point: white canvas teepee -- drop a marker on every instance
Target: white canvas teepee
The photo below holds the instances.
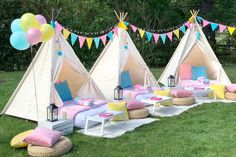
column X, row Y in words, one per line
column 48, row 67
column 114, row 59
column 196, row 51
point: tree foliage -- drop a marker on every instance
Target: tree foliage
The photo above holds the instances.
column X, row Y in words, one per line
column 97, row 15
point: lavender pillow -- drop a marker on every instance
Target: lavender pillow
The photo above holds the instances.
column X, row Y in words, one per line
column 43, row 137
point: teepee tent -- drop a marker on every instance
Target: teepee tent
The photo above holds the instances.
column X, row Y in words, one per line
column 36, row 90
column 194, row 49
column 120, row 54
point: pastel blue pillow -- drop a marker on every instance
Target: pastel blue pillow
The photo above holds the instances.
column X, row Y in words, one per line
column 199, row 71
column 125, row 80
column 63, row 90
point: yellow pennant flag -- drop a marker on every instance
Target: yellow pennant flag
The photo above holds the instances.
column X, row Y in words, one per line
column 141, row 32
column 89, row 42
column 66, row 33
column 176, row 32
column 231, row 30
column 122, row 25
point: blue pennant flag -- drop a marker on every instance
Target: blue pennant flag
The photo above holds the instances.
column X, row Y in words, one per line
column 163, row 38
column 199, row 19
column 73, row 38
column 182, row 28
column 149, row 36
column 198, row 36
column 213, row 26
column 110, row 35
column 97, row 41
column 126, row 23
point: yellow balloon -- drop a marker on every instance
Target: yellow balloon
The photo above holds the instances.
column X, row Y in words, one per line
column 28, row 21
column 47, row 32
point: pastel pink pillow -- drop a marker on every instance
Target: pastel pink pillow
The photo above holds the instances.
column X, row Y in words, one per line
column 43, row 137
column 231, row 88
column 134, row 104
column 181, row 93
column 185, row 72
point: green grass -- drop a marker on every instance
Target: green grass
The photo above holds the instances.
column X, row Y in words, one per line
column 206, row 131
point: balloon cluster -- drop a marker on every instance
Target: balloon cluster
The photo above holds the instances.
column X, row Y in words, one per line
column 30, row 30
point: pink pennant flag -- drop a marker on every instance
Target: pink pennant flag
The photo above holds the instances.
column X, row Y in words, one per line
column 205, row 23
column 156, row 37
column 170, row 35
column 58, row 27
column 222, row 27
column 104, row 39
column 134, row 28
column 81, row 41
column 187, row 24
column 115, row 30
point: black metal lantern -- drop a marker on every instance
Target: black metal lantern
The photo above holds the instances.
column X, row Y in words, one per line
column 171, row 81
column 118, row 93
column 52, row 113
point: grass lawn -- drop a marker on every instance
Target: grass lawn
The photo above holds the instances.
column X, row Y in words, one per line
column 207, row 131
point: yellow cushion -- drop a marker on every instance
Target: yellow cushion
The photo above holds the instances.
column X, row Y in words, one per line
column 17, row 141
column 218, row 90
column 165, row 92
column 119, row 106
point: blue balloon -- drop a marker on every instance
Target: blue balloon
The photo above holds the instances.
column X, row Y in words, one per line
column 19, row 41
column 15, row 26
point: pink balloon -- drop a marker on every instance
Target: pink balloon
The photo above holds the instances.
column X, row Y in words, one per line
column 34, row 36
column 41, row 19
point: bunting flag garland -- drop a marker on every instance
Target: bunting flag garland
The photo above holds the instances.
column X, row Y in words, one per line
column 66, row 33
column 110, row 35
column 89, row 42
column 115, row 30
column 188, row 24
column 134, row 28
column 182, row 28
column 214, row 26
column 97, row 41
column 149, row 36
column 73, row 38
column 163, row 38
column 176, row 32
column 141, row 32
column 58, row 27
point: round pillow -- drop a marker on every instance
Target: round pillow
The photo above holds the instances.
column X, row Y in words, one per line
column 58, row 149
column 184, row 101
column 230, row 96
column 138, row 114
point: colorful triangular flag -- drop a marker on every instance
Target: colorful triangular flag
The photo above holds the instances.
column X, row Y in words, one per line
column 126, row 23
column 73, row 38
column 115, row 30
column 81, row 41
column 213, row 26
column 66, row 33
column 89, row 42
column 122, row 25
column 176, row 32
column 199, row 19
column 187, row 24
column 110, row 35
column 134, row 28
column 182, row 28
column 104, row 39
column 156, row 37
column 205, row 23
column 231, row 30
column 149, row 36
column 97, row 41
column 141, row 32
column 58, row 27
column 163, row 38
column 170, row 35
column 222, row 27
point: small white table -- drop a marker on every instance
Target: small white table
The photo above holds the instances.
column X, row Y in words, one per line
column 156, row 103
column 64, row 126
column 100, row 119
